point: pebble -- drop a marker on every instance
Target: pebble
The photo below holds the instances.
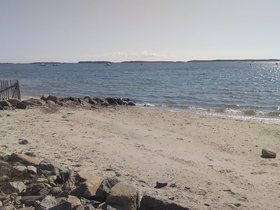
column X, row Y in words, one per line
column 161, row 184
column 23, row 141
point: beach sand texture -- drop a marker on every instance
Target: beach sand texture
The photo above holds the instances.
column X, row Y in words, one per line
column 208, row 162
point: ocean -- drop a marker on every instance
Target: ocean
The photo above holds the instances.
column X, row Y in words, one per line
column 248, row 88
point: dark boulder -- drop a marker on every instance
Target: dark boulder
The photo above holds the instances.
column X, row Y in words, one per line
column 89, row 100
column 48, row 167
column 123, row 197
column 5, row 104
column 152, row 203
column 49, row 98
column 105, row 187
column 17, row 103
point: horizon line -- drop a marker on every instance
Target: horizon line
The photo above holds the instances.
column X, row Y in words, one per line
column 148, row 61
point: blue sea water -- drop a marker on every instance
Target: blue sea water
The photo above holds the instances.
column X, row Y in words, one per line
column 207, row 85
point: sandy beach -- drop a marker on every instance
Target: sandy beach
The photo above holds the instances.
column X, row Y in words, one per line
column 208, row 162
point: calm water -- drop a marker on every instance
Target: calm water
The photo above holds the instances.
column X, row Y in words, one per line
column 236, row 86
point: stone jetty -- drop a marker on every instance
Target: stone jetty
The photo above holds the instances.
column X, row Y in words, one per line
column 51, row 100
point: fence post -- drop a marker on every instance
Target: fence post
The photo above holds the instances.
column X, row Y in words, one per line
column 8, row 89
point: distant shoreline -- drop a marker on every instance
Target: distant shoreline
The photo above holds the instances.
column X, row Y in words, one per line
column 142, row 62
column 238, row 60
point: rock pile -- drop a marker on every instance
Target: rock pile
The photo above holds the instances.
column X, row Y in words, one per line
column 27, row 183
column 86, row 101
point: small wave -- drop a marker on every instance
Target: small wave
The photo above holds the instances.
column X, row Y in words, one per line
column 273, row 114
column 249, row 112
column 145, row 105
column 220, row 110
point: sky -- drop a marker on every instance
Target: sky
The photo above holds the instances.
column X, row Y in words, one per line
column 118, row 30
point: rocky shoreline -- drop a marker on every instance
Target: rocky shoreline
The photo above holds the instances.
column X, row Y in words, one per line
column 50, row 101
column 27, row 183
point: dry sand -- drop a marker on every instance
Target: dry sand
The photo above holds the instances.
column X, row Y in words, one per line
column 210, row 163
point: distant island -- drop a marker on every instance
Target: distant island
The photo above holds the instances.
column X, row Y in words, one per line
column 96, row 62
column 238, row 60
column 153, row 62
column 106, row 62
column 50, row 62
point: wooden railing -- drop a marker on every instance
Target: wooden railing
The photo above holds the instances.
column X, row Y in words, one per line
column 9, row 89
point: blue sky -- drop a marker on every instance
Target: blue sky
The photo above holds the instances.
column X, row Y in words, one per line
column 116, row 30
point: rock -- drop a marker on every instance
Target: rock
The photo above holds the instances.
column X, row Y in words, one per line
column 70, row 184
column 13, row 101
column 128, row 102
column 105, row 103
column 88, row 99
column 89, row 207
column 52, row 180
column 47, row 203
column 13, row 187
column 17, row 103
column 83, row 176
column 151, row 203
column 5, row 104
column 123, row 196
column 112, row 208
column 105, row 187
column 30, row 154
column 10, row 207
column 24, row 159
column 86, row 190
column 6, row 171
column 32, row 170
column 131, row 103
column 75, row 202
column 63, row 194
column 31, row 200
column 33, row 102
column 79, row 208
column 27, row 208
column 66, row 175
column 161, row 184
column 50, row 103
column 42, row 180
column 55, row 191
column 112, row 101
column 52, row 98
column 62, row 206
column 89, row 185
column 266, row 153
column 86, row 105
column 36, row 189
column 44, row 97
column 97, row 100
column 71, row 100
column 48, row 167
column 85, row 202
column 23, row 141
column 20, row 169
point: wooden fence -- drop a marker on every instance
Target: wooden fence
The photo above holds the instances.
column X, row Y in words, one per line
column 9, row 89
